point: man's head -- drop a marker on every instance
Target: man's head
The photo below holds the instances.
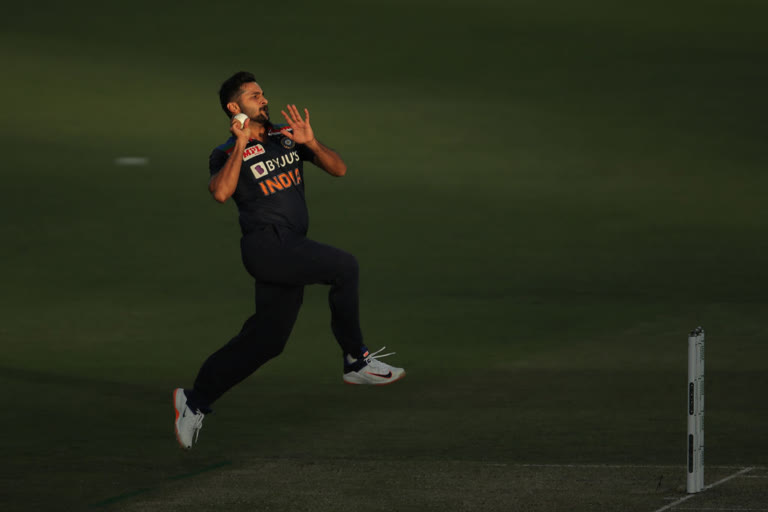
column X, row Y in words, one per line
column 241, row 94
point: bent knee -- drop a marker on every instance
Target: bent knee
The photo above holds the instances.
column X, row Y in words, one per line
column 274, row 350
column 350, row 269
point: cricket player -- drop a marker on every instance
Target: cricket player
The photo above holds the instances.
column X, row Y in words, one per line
column 261, row 167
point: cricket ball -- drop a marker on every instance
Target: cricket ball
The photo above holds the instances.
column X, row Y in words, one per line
column 241, row 117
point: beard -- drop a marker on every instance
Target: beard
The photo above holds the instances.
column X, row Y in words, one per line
column 263, row 116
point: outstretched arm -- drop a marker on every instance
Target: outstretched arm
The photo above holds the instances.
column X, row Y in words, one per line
column 325, row 158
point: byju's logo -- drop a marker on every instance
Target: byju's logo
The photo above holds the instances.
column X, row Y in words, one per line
column 259, row 170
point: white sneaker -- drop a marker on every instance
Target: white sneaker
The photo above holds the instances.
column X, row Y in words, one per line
column 369, row 370
column 188, row 422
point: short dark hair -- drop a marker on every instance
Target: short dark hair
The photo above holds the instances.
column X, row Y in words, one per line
column 231, row 88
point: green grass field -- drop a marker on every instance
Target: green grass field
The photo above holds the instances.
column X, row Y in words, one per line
column 544, row 197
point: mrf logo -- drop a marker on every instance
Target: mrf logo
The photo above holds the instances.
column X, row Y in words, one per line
column 253, row 151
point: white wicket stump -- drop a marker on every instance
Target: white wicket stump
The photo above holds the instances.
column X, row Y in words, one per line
column 695, row 401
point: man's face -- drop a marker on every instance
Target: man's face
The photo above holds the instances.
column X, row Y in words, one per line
column 253, row 103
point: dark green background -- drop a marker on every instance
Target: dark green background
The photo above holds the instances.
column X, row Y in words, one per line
column 544, row 198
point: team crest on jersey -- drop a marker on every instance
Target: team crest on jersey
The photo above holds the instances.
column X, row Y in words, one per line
column 287, row 143
column 253, row 151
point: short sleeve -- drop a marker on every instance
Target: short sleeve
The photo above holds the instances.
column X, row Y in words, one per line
column 305, row 153
column 217, row 160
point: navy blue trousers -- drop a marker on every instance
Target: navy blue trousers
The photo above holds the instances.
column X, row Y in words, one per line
column 281, row 262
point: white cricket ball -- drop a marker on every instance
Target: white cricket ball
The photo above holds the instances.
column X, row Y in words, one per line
column 241, row 117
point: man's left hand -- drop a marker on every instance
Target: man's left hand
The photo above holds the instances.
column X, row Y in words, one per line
column 302, row 131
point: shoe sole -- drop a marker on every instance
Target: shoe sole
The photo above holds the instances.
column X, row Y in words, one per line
column 385, row 383
column 176, row 406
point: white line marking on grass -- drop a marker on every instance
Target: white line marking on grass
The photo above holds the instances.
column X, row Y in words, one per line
column 612, row 466
column 131, row 160
column 710, row 486
column 722, row 481
column 602, row 466
column 720, row 508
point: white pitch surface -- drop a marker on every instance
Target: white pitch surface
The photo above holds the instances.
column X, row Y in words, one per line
column 740, row 473
column 154, row 500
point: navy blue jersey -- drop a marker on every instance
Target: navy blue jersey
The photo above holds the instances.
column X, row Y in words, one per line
column 270, row 189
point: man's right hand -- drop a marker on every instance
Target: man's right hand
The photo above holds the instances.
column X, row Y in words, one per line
column 240, row 133
column 224, row 183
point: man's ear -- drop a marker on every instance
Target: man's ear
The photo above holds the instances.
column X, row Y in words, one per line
column 233, row 108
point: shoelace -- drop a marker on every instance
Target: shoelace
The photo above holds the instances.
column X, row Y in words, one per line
column 374, row 356
column 198, row 424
